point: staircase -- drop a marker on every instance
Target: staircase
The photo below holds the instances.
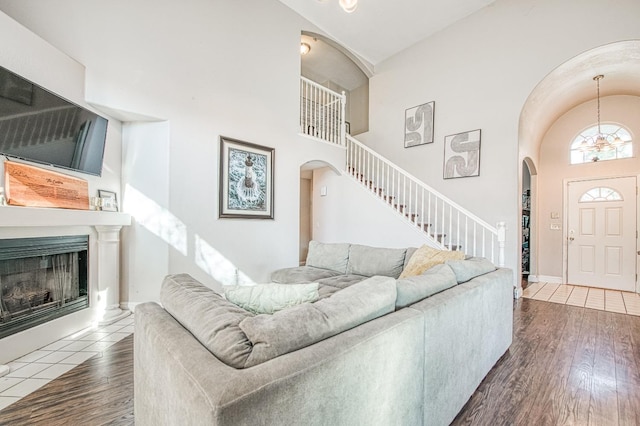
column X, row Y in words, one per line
column 446, row 224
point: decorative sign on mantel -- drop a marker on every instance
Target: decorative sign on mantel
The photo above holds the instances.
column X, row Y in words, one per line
column 35, row 187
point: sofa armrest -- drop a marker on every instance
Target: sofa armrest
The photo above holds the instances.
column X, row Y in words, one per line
column 177, row 381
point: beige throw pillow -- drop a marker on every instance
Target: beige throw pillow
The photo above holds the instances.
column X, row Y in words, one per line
column 427, row 257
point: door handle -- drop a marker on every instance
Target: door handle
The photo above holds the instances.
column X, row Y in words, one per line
column 571, row 239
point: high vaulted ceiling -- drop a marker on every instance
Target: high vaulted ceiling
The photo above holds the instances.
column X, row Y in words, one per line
column 379, row 29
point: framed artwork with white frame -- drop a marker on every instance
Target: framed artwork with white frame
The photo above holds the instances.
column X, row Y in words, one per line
column 462, row 155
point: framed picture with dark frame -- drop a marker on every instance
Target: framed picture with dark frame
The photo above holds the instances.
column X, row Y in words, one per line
column 462, row 155
column 246, row 180
column 108, row 201
column 418, row 125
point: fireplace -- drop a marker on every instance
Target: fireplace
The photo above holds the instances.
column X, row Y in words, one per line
column 41, row 279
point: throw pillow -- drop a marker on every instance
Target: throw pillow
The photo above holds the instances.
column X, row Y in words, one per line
column 427, row 257
column 270, row 298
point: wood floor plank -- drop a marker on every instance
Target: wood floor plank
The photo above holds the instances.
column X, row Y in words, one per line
column 603, row 406
column 97, row 392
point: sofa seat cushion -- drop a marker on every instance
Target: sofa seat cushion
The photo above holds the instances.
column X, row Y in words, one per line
column 427, row 257
column 301, row 274
column 328, row 256
column 211, row 319
column 468, row 269
column 432, row 281
column 371, row 261
column 303, row 325
column 270, row 298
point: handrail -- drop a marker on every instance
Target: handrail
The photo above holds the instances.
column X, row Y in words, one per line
column 430, row 189
column 322, row 112
column 425, row 208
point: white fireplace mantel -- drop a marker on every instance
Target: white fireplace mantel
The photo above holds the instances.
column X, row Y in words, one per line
column 11, row 217
column 17, row 221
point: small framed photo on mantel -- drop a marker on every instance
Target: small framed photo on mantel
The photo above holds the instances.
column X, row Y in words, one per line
column 108, row 201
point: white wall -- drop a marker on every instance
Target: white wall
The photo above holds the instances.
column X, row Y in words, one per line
column 348, row 213
column 479, row 72
column 555, row 167
column 208, row 69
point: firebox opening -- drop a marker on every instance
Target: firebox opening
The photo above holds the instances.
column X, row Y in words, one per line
column 41, row 279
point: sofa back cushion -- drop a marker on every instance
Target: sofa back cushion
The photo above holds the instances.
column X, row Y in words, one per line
column 370, row 261
column 415, row 288
column 303, row 325
column 328, row 256
column 212, row 320
column 468, row 269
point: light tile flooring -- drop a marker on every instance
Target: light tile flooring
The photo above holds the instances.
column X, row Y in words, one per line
column 595, row 298
column 38, row 368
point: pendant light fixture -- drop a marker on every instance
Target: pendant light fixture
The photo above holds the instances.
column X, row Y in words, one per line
column 601, row 142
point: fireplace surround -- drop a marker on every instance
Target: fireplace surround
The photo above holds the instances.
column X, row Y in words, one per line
column 41, row 279
column 103, row 278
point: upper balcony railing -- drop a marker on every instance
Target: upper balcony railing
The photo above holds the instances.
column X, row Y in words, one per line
column 322, row 112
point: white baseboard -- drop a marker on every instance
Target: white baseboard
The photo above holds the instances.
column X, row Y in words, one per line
column 545, row 279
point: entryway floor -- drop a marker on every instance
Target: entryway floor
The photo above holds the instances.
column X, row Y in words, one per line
column 38, row 368
column 621, row 302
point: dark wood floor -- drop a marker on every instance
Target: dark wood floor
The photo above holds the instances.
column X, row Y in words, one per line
column 567, row 366
column 97, row 392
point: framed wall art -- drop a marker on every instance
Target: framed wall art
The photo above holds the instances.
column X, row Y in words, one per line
column 418, row 125
column 462, row 154
column 246, row 180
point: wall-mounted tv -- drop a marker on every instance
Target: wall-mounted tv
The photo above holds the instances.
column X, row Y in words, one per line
column 40, row 126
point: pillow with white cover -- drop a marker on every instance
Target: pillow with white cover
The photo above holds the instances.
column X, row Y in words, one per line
column 271, row 298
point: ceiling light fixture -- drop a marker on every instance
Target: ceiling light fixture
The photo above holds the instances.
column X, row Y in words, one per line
column 304, row 48
column 601, row 142
column 349, row 6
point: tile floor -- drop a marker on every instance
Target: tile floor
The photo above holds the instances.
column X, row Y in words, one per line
column 595, row 298
column 38, row 368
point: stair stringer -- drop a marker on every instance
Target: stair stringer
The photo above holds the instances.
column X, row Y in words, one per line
column 350, row 213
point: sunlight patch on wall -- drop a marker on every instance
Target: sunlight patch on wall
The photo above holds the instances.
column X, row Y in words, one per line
column 155, row 218
column 217, row 266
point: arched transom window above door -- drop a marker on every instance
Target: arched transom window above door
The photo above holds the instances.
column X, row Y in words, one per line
column 601, row 193
column 586, row 149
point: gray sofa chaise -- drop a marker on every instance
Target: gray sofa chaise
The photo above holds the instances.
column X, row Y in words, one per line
column 375, row 349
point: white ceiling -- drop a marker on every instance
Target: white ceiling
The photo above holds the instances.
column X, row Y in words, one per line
column 379, row 29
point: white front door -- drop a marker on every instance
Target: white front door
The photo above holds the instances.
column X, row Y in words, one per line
column 601, row 233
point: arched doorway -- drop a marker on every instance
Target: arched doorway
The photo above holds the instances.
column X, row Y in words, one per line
column 559, row 107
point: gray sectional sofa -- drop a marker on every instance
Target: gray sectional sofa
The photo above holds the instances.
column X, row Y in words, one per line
column 373, row 350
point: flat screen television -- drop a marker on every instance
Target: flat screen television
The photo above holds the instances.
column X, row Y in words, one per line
column 40, row 126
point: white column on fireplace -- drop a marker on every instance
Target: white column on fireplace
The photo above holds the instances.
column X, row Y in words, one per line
column 109, row 273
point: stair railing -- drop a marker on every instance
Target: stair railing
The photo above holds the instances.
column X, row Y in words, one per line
column 449, row 225
column 322, row 112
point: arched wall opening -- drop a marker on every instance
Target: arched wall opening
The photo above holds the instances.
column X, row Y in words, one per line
column 565, row 92
column 306, row 202
column 334, row 67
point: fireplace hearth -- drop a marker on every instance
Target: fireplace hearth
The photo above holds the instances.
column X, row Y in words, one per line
column 41, row 279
